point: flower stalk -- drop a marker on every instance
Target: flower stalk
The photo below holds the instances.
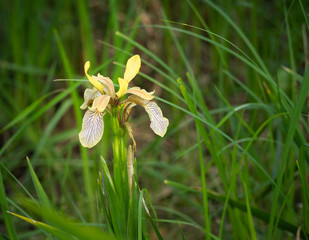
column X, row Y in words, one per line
column 119, row 153
column 119, row 192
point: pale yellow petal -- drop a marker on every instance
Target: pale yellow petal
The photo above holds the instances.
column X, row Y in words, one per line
column 92, row 128
column 127, row 110
column 93, row 81
column 100, row 103
column 130, row 133
column 158, row 123
column 141, row 93
column 123, row 86
column 135, row 99
column 132, row 68
column 108, row 84
column 89, row 95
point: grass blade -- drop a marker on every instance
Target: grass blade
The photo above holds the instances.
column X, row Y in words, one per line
column 289, row 139
column 50, row 229
column 140, row 216
column 256, row 212
column 10, row 228
column 43, row 198
column 78, row 115
column 250, row 221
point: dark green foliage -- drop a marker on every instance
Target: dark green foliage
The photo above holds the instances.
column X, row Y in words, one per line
column 236, row 151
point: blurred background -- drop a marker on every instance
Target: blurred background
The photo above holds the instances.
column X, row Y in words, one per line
column 243, row 55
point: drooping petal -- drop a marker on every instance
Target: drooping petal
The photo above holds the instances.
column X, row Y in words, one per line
column 141, row 93
column 92, row 128
column 93, row 81
column 89, row 95
column 123, row 86
column 108, row 84
column 158, row 123
column 100, row 103
column 130, row 134
column 127, row 110
column 132, row 68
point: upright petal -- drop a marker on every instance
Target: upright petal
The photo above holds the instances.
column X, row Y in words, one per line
column 123, row 86
column 92, row 128
column 100, row 103
column 141, row 93
column 132, row 68
column 93, row 81
column 89, row 95
column 108, row 84
column 158, row 123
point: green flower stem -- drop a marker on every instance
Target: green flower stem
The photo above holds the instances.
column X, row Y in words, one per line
column 119, row 146
column 123, row 203
column 120, row 163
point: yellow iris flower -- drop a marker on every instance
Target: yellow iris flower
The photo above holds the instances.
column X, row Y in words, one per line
column 103, row 96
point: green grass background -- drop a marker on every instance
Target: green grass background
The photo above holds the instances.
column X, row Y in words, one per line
column 231, row 77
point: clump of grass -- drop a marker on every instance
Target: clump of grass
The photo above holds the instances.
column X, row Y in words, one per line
column 234, row 161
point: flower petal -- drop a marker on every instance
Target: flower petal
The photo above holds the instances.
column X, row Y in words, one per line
column 92, row 128
column 123, row 86
column 127, row 110
column 130, row 134
column 100, row 103
column 93, row 81
column 132, row 68
column 134, row 99
column 141, row 93
column 108, row 84
column 89, row 95
column 159, row 123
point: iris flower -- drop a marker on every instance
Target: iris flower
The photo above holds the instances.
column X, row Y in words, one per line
column 103, row 97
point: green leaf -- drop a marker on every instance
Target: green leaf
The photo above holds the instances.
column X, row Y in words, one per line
column 293, row 123
column 43, row 198
column 10, row 228
column 140, row 216
column 256, row 212
column 65, row 228
column 250, row 221
column 23, row 115
column 50, row 229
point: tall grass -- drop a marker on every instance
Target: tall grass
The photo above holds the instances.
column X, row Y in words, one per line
column 231, row 77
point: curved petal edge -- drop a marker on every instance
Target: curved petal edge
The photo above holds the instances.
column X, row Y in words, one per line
column 92, row 128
